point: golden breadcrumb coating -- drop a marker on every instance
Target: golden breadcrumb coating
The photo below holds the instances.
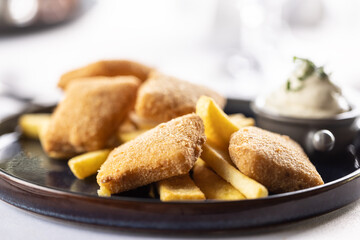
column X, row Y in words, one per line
column 107, row 68
column 163, row 97
column 89, row 115
column 168, row 150
column 275, row 161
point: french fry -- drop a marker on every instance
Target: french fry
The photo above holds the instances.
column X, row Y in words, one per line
column 241, row 121
column 179, row 188
column 103, row 192
column 213, row 186
column 247, row 186
column 87, row 164
column 218, row 126
column 31, row 124
column 225, row 155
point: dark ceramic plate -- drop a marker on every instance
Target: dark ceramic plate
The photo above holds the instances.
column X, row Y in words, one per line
column 32, row 181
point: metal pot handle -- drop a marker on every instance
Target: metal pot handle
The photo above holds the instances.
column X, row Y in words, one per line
column 322, row 140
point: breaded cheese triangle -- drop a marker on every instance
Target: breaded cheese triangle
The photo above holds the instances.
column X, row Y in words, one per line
column 89, row 115
column 108, row 68
column 168, row 150
column 275, row 161
column 162, row 98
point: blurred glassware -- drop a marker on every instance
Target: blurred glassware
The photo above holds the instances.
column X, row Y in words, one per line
column 303, row 13
column 16, row 87
column 254, row 36
column 16, row 96
column 243, row 31
column 21, row 14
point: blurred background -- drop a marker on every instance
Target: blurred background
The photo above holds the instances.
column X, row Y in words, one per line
column 238, row 47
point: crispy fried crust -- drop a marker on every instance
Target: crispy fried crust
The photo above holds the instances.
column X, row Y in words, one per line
column 89, row 115
column 162, row 98
column 276, row 161
column 107, row 68
column 168, row 150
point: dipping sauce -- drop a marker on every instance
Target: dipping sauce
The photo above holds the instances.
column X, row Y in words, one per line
column 308, row 93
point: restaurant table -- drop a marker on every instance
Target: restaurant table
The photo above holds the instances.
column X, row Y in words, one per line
column 16, row 223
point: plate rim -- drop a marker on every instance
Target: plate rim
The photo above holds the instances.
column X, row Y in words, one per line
column 299, row 193
column 24, row 185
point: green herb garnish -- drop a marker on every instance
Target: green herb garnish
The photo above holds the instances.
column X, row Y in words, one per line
column 320, row 71
column 309, row 70
column 288, row 86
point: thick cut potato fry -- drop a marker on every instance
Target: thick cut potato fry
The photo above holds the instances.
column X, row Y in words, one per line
column 241, row 121
column 87, row 164
column 31, row 124
column 247, row 186
column 103, row 192
column 128, row 136
column 225, row 155
column 213, row 186
column 218, row 126
column 179, row 188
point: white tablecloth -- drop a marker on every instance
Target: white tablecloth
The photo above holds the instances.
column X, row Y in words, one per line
column 19, row 224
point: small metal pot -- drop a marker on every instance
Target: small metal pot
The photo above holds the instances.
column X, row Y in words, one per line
column 326, row 135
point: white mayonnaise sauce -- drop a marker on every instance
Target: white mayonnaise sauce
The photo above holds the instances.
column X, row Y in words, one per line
column 308, row 93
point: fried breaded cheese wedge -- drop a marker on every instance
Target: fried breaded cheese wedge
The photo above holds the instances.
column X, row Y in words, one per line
column 168, row 150
column 89, row 115
column 163, row 97
column 108, row 68
column 275, row 161
column 31, row 124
